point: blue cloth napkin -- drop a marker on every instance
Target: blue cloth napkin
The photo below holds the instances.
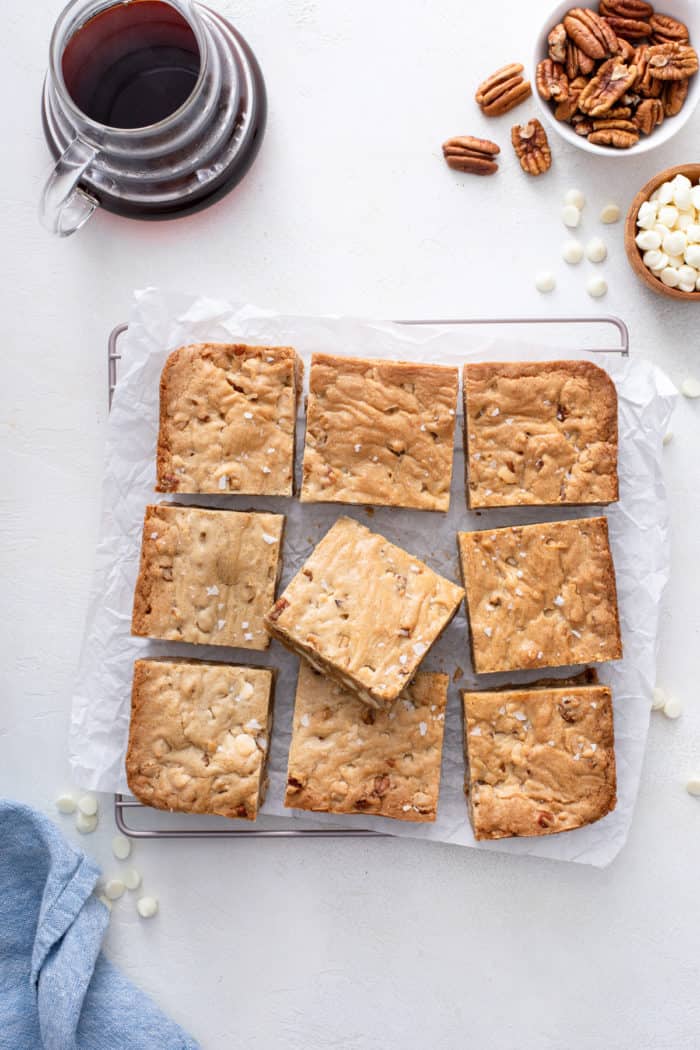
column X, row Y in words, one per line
column 57, row 990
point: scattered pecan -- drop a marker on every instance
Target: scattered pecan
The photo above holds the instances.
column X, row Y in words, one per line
column 503, row 90
column 469, row 154
column 610, row 83
column 591, row 33
column 650, row 113
column 666, row 30
column 672, row 61
column 567, row 108
column 551, row 81
column 557, row 44
column 629, row 28
column 673, row 96
column 613, row 137
column 639, row 9
column 647, row 86
column 531, row 145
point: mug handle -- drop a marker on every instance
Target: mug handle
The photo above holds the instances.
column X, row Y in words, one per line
column 65, row 207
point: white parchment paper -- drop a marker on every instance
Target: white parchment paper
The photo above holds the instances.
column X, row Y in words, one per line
column 161, row 322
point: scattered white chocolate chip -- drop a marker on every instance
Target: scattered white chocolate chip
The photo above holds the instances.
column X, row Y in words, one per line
column 596, row 252
column 147, row 907
column 85, row 824
column 121, row 847
column 610, row 214
column 693, row 785
column 65, row 803
column 576, row 198
column 87, row 804
column 571, row 216
column 114, row 889
column 690, row 387
column 545, row 281
column 668, row 437
column 572, row 252
column 672, row 708
column 597, row 287
column 131, row 879
column 658, row 699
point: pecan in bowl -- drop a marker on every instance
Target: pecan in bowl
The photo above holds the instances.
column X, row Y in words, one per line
column 618, row 74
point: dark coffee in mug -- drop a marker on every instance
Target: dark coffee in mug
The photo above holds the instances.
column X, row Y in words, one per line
column 132, row 65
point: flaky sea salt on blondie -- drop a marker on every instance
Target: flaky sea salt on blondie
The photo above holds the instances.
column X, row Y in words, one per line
column 346, row 757
column 364, row 612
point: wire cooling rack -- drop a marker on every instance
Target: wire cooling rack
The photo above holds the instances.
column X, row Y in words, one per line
column 191, row 826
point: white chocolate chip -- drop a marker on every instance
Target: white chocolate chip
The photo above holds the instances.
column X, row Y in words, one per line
column 668, row 215
column 690, row 387
column 693, row 786
column 692, row 255
column 268, row 538
column 672, row 708
column 545, row 281
column 85, row 824
column 131, row 879
column 65, row 803
column 576, row 198
column 669, row 277
column 596, row 252
column 655, row 260
column 648, row 215
column 247, row 691
column 114, row 888
column 572, row 252
column 87, row 804
column 571, row 216
column 648, row 240
column 658, row 699
column 675, row 242
column 610, row 214
column 121, row 847
column 423, row 728
column 247, row 415
column 244, row 744
column 147, row 907
column 597, row 287
column 223, row 482
column 665, row 193
column 304, row 720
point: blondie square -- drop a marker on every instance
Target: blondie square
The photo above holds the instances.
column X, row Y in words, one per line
column 364, row 612
column 227, row 419
column 207, row 576
column 347, row 758
column 379, row 432
column 540, row 595
column 539, row 433
column 539, row 759
column 198, row 738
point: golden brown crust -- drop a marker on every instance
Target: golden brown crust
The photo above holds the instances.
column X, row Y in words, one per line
column 539, row 761
column 364, row 612
column 207, row 576
column 347, row 758
column 540, row 433
column 199, row 735
column 540, row 595
column 227, row 419
column 379, row 432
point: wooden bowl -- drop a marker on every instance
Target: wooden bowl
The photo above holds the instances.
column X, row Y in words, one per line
column 634, row 254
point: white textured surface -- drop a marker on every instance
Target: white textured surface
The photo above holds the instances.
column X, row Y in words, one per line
column 355, row 944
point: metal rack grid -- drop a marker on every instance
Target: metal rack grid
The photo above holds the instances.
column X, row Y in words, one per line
column 124, row 804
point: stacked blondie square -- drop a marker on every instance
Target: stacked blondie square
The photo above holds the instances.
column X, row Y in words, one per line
column 362, row 613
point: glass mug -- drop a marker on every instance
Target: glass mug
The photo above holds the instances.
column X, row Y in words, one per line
column 152, row 109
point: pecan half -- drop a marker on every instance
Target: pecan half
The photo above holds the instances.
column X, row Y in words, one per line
column 566, row 109
column 582, row 126
column 650, row 113
column 591, row 33
column 626, row 51
column 666, row 29
column 672, row 61
column 503, row 90
column 610, row 83
column 615, row 124
column 646, row 84
column 471, row 155
column 556, row 44
column 532, row 147
column 613, row 137
column 551, row 80
column 639, row 9
column 673, row 97
column 629, row 28
column 577, row 62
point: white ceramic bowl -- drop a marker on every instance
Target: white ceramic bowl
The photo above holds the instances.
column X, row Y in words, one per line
column 687, row 11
